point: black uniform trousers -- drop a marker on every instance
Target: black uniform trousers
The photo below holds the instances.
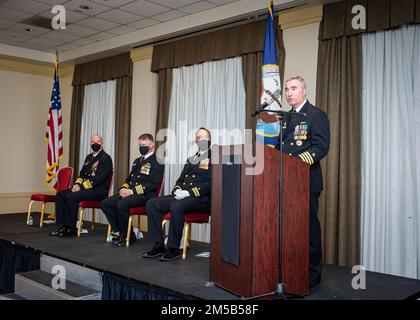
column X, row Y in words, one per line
column 315, row 246
column 67, row 204
column 157, row 207
column 117, row 211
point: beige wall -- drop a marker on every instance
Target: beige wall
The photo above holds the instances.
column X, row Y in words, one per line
column 144, row 104
column 300, row 34
column 301, row 44
column 25, row 99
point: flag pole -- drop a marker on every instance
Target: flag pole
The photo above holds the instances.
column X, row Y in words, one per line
column 56, row 62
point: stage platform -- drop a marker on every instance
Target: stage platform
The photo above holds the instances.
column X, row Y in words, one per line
column 188, row 277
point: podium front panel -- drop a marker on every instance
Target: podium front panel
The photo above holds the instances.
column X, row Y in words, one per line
column 256, row 270
column 230, row 212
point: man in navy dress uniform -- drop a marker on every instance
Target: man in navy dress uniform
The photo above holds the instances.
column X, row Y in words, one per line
column 91, row 185
column 190, row 194
column 144, row 178
column 308, row 139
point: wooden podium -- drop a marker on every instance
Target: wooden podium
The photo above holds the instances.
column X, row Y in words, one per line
column 245, row 222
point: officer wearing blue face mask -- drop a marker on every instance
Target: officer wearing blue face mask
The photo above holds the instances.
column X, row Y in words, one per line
column 144, row 178
column 190, row 194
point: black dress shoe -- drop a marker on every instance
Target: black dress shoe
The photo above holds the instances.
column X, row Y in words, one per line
column 120, row 243
column 56, row 232
column 68, row 232
column 116, row 239
column 155, row 252
column 170, row 254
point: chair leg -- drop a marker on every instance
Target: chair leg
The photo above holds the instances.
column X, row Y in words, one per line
column 184, row 246
column 93, row 218
column 189, row 235
column 41, row 222
column 79, row 228
column 163, row 227
column 138, row 222
column 29, row 211
column 127, row 240
column 108, row 233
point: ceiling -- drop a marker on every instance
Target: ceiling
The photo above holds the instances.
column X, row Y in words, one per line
column 105, row 26
column 105, row 19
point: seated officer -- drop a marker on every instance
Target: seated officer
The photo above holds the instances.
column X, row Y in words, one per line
column 140, row 186
column 91, row 185
column 190, row 194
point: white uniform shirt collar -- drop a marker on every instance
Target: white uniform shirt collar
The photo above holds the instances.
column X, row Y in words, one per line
column 301, row 106
column 148, row 155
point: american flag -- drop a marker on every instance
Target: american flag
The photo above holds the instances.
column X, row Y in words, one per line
column 54, row 135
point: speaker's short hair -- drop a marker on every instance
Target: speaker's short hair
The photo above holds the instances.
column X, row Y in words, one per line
column 300, row 79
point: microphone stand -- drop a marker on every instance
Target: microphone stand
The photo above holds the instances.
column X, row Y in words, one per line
column 280, row 115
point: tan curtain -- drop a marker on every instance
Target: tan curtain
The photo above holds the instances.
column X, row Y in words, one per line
column 119, row 68
column 339, row 94
column 246, row 41
column 251, row 69
column 122, row 130
column 339, row 79
column 164, row 99
column 216, row 45
column 103, row 70
column 381, row 15
column 76, row 126
column 417, row 14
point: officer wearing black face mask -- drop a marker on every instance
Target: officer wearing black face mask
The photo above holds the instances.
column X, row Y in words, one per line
column 144, row 178
column 190, row 194
column 91, row 185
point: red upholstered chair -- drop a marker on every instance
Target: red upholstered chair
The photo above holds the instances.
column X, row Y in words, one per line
column 90, row 205
column 194, row 217
column 136, row 211
column 64, row 178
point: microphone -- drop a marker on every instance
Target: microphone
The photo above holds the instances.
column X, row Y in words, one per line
column 260, row 108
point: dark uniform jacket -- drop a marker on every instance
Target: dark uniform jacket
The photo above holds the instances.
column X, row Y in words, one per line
column 96, row 172
column 145, row 176
column 196, row 177
column 308, row 138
